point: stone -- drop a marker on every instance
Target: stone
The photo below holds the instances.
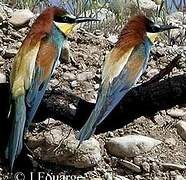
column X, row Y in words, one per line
column 131, row 166
column 138, row 177
column 73, row 109
column 147, row 6
column 96, row 86
column 112, row 38
column 179, row 177
column 65, row 53
column 138, row 160
column 175, row 113
column 6, row 9
column 108, row 176
column 172, row 166
column 155, row 167
column 21, row 17
column 120, row 178
column 10, row 53
column 176, row 18
column 181, row 129
column 57, row 144
column 2, row 78
column 16, row 35
column 170, row 141
column 103, row 14
column 54, row 82
column 3, row 15
column 84, row 76
column 152, row 72
column 146, row 166
column 74, row 84
column 130, row 145
column 69, row 76
column 1, row 61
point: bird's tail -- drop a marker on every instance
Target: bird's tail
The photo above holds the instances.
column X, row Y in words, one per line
column 107, row 100
column 18, row 116
column 100, row 112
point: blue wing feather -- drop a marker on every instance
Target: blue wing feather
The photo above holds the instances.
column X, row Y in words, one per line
column 110, row 94
column 37, row 89
column 34, row 96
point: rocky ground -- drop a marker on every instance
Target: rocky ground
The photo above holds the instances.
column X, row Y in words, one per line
column 148, row 148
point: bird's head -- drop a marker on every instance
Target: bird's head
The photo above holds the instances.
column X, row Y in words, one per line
column 66, row 22
column 137, row 28
column 153, row 29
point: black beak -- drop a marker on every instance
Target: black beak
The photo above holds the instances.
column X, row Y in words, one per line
column 85, row 19
column 167, row 27
column 154, row 28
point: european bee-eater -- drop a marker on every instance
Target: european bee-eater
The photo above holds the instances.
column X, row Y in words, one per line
column 122, row 69
column 32, row 69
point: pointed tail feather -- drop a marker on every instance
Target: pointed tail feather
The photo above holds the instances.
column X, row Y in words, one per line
column 107, row 101
column 15, row 143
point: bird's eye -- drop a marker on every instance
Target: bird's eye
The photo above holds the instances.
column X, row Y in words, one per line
column 65, row 19
column 153, row 28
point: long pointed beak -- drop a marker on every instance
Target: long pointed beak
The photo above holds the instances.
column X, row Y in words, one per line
column 85, row 19
column 167, row 27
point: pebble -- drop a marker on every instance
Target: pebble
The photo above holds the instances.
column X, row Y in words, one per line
column 16, row 35
column 130, row 145
column 110, row 134
column 155, row 178
column 1, row 62
column 138, row 160
column 57, row 144
column 159, row 119
column 146, row 167
column 131, row 166
column 179, row 177
column 120, row 178
column 175, row 113
column 181, row 129
column 10, row 53
column 112, row 38
column 20, row 17
column 72, row 109
column 54, row 82
column 1, row 49
column 152, row 72
column 69, row 76
column 74, row 84
column 96, row 86
column 173, row 166
column 2, row 16
column 173, row 173
column 138, row 177
column 84, row 76
column 155, row 167
column 2, row 78
column 65, row 54
column 108, row 176
column 170, row 141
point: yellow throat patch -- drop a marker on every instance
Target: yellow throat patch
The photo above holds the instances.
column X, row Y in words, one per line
column 65, row 27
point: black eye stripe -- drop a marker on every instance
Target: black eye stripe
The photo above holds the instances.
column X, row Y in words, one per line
column 64, row 19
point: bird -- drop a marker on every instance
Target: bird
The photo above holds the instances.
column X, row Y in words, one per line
column 32, row 69
column 123, row 67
